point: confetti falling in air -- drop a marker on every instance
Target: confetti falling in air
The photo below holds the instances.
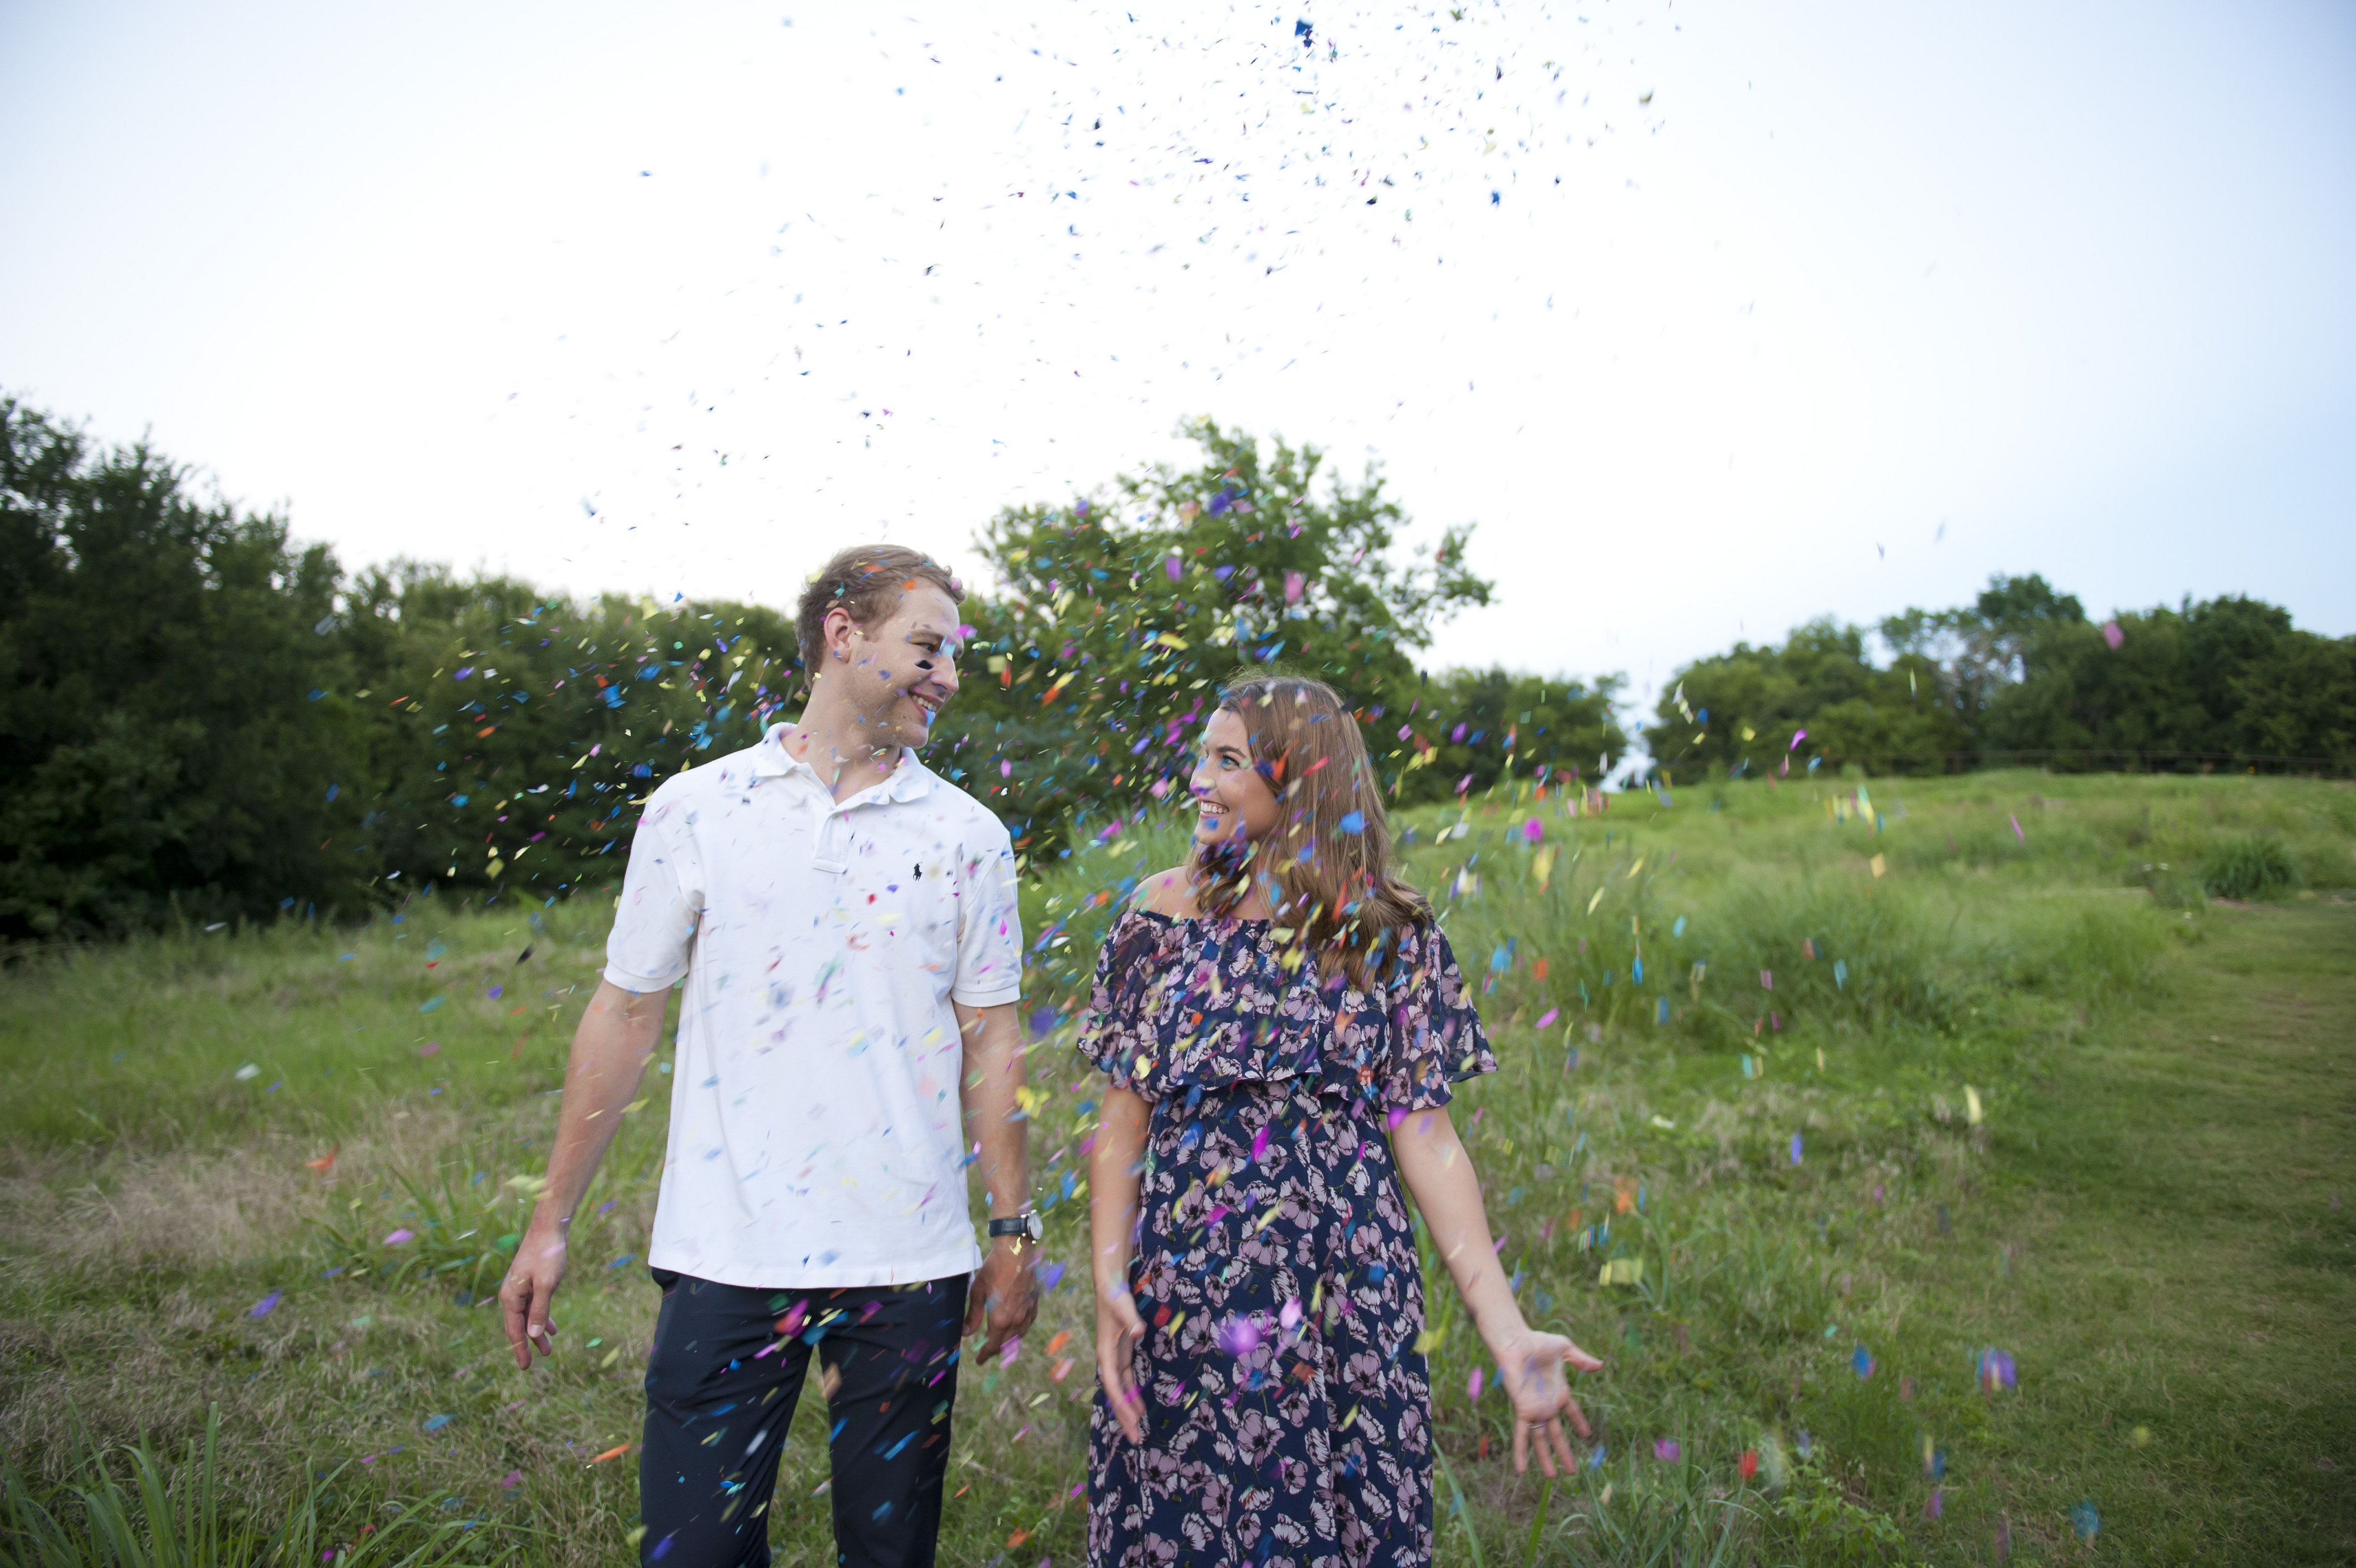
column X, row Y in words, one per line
column 1860, row 1361
column 1994, row 1371
column 1795, row 1148
column 399, row 1237
column 1238, row 1337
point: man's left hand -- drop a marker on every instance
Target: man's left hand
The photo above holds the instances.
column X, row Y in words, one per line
column 1005, row 1294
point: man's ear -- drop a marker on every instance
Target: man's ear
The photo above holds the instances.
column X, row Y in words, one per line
column 839, row 628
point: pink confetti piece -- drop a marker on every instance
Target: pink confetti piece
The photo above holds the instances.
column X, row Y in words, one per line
column 398, row 1237
column 1548, row 1017
column 1472, row 1386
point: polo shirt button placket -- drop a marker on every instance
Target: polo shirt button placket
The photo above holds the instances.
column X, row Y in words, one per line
column 820, row 860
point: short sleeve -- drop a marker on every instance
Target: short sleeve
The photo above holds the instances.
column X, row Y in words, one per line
column 662, row 898
column 1115, row 1027
column 1436, row 1035
column 990, row 925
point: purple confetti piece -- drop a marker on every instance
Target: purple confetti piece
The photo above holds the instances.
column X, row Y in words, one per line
column 1666, row 1451
column 1795, row 1148
column 398, row 1237
column 265, row 1307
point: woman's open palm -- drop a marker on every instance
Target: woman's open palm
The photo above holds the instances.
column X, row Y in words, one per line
column 1531, row 1366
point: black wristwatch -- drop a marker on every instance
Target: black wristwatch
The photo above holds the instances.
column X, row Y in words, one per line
column 1023, row 1224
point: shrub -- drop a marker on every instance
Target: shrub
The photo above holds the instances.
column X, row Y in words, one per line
column 2255, row 865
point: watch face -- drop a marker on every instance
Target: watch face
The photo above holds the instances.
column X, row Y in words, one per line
column 1032, row 1226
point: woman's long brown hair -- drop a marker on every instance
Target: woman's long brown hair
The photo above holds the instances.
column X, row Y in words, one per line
column 1329, row 858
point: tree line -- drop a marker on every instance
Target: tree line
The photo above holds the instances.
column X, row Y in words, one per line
column 2022, row 676
column 202, row 720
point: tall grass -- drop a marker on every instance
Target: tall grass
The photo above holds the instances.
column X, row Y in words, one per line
column 131, row 1507
column 2250, row 865
column 1676, row 994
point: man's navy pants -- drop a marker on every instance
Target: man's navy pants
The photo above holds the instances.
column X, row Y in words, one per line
column 721, row 1383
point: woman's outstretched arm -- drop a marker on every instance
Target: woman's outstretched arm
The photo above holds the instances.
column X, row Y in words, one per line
column 1439, row 1173
column 1113, row 1168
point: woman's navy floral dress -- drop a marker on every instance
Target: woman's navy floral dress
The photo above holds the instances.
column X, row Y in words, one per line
column 1288, row 1420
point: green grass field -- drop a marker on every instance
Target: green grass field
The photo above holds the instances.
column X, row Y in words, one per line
column 2050, row 1099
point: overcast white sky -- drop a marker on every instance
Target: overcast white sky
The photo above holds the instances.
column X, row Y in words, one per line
column 1712, row 316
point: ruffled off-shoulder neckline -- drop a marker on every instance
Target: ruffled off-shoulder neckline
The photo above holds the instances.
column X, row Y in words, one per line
column 1201, row 1001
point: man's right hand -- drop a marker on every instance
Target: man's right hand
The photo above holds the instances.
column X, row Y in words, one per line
column 531, row 1286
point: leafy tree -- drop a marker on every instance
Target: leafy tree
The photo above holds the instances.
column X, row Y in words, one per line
column 521, row 731
column 169, row 723
column 1817, row 696
column 1473, row 728
column 1122, row 614
column 2021, row 673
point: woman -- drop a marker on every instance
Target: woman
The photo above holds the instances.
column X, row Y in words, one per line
column 1281, row 1020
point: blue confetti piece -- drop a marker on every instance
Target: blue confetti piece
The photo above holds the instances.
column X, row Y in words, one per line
column 436, row 1423
column 265, row 1307
column 1861, row 1362
column 1795, row 1148
column 1353, row 823
column 2085, row 1520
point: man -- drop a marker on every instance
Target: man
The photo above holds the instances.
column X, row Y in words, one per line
column 842, row 924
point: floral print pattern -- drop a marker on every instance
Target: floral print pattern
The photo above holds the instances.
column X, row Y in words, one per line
column 1288, row 1418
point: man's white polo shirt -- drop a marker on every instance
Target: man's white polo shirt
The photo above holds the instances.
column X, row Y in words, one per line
column 815, row 1134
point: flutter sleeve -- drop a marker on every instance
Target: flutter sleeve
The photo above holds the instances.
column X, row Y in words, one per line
column 1117, row 1028
column 1436, row 1035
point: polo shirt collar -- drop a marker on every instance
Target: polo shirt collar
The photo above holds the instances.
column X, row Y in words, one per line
column 907, row 781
